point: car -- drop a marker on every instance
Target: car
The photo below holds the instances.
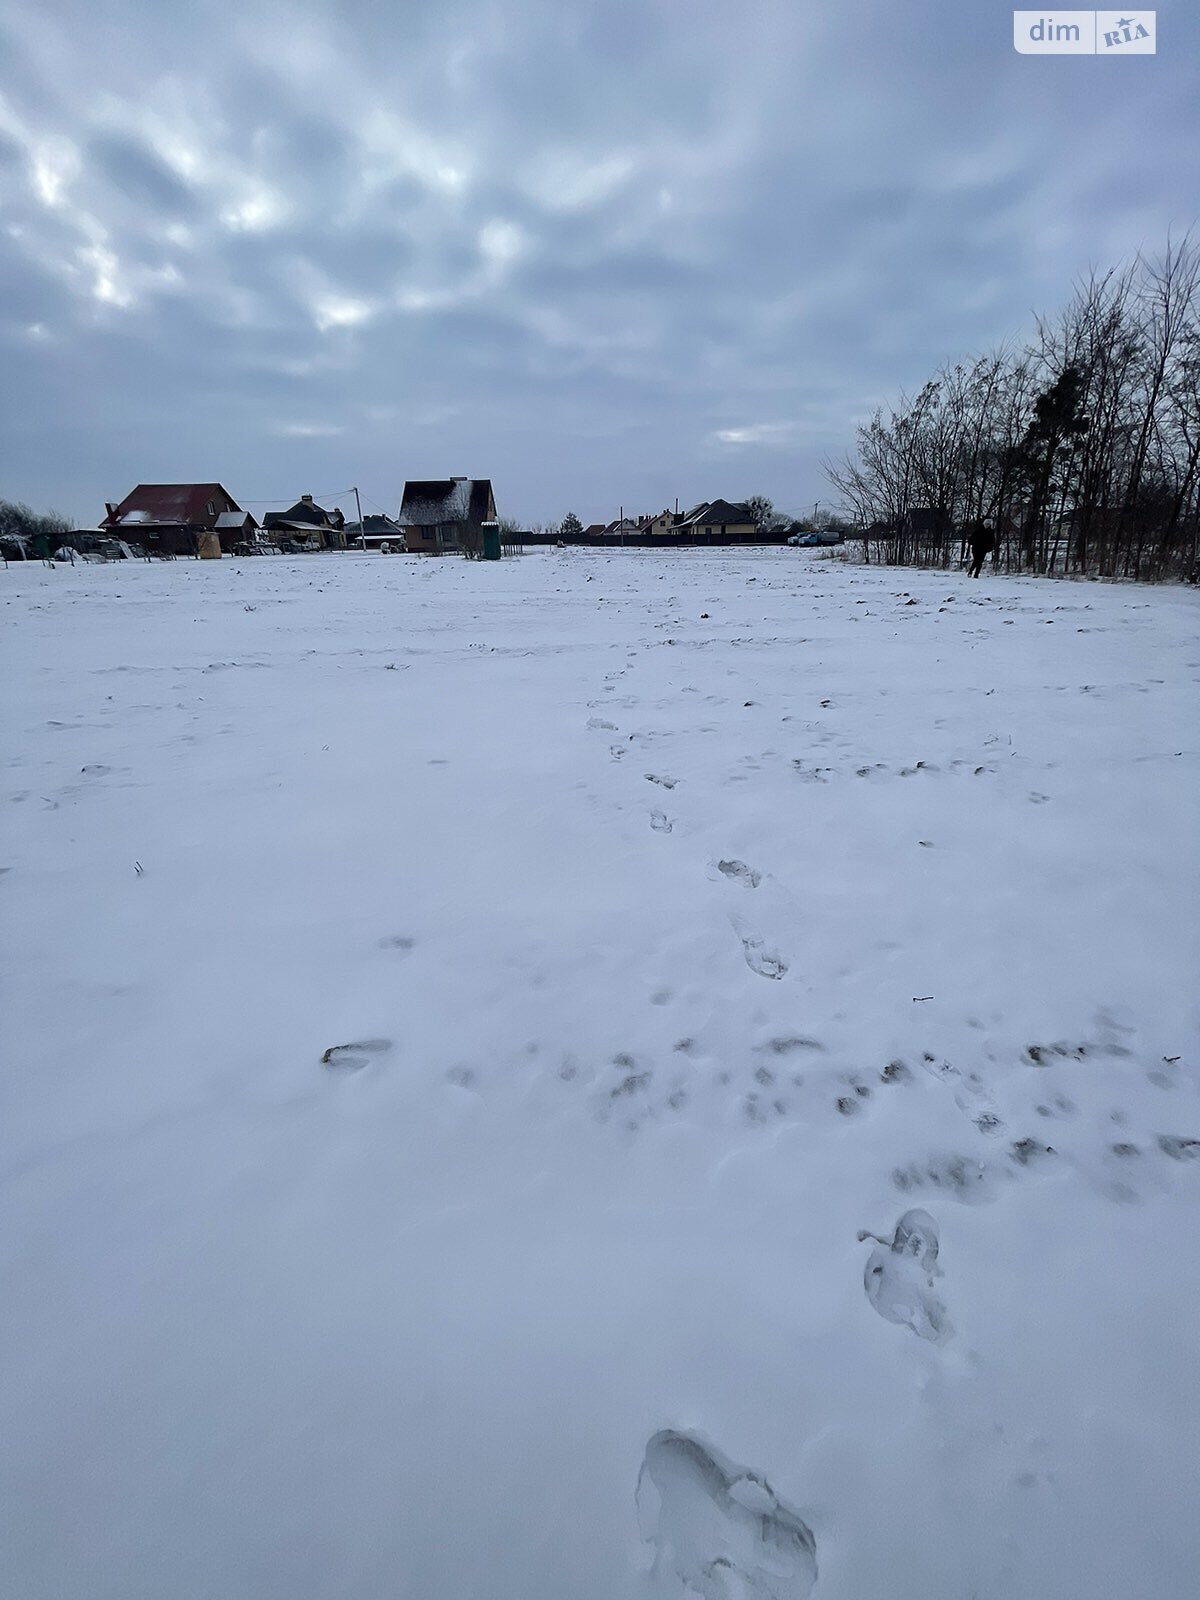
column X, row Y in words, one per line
column 812, row 541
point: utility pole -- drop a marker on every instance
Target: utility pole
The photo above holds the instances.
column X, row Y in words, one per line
column 362, row 527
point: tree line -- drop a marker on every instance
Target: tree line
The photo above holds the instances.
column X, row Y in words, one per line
column 1079, row 450
column 20, row 522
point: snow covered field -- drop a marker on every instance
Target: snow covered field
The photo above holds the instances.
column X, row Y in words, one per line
column 460, row 1018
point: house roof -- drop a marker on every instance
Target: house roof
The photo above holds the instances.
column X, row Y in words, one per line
column 235, row 519
column 378, row 524
column 169, row 504
column 306, row 512
column 481, row 499
column 718, row 512
column 428, row 501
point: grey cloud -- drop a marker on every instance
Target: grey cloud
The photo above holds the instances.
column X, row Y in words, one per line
column 570, row 245
column 140, row 175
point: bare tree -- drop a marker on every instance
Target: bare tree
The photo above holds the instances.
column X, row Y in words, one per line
column 1081, row 449
column 760, row 509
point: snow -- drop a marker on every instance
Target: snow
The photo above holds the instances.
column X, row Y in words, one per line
column 461, row 1018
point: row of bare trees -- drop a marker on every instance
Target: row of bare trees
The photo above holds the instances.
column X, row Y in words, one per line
column 1079, row 450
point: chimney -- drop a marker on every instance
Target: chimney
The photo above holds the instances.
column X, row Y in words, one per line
column 111, row 509
column 306, row 499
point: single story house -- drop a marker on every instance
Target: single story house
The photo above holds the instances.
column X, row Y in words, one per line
column 236, row 530
column 721, row 521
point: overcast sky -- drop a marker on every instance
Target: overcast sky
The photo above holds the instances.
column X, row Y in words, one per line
column 606, row 252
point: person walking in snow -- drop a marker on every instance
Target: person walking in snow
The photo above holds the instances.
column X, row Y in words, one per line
column 983, row 542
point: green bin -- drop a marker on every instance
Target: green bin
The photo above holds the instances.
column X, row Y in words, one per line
column 491, row 541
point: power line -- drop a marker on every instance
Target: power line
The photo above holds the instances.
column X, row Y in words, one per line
column 276, row 499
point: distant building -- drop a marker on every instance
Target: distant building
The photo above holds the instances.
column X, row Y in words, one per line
column 438, row 515
column 660, row 526
column 624, row 528
column 236, row 530
column 177, row 519
column 307, row 525
column 376, row 531
column 718, row 522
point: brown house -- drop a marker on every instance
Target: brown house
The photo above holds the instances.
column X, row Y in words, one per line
column 440, row 515
column 237, row 530
column 177, row 519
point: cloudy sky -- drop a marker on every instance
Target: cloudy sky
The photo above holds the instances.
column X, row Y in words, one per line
column 608, row 252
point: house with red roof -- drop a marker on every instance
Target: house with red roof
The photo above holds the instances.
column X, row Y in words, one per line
column 180, row 519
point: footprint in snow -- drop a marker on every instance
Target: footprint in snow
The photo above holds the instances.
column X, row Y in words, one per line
column 964, row 1178
column 739, row 871
column 970, row 1095
column 899, row 1277
column 761, row 960
column 354, row 1057
column 660, row 822
column 1179, row 1148
column 719, row 1531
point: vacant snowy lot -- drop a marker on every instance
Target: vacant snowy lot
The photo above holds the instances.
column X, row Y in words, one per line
column 460, row 1019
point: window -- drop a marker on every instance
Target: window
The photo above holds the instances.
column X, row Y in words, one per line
column 211, row 509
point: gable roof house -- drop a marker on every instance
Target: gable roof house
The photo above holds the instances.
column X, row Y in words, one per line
column 176, row 519
column 658, row 527
column 718, row 521
column 624, row 528
column 236, row 529
column 308, row 525
column 446, row 514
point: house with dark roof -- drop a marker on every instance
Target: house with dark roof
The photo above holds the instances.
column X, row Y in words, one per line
column 718, row 521
column 176, row 519
column 237, row 531
column 624, row 528
column 440, row 515
column 307, row 526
